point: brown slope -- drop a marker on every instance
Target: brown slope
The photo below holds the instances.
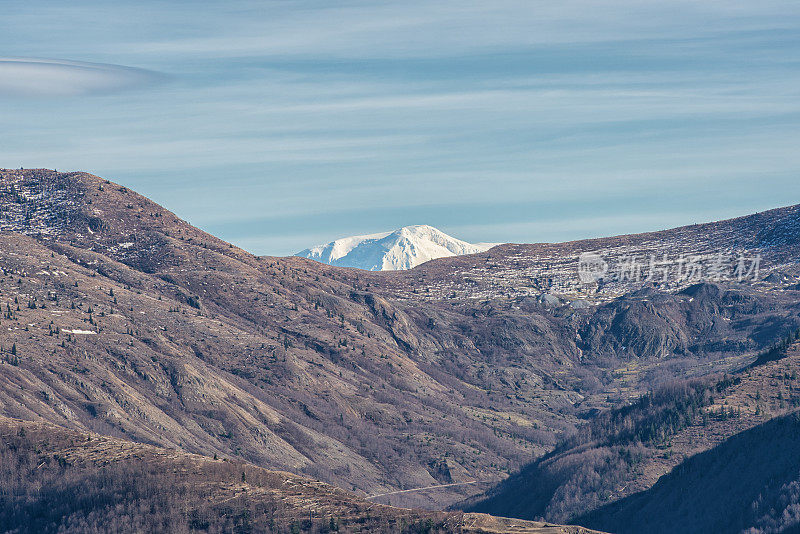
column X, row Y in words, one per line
column 57, row 480
column 275, row 360
column 331, row 372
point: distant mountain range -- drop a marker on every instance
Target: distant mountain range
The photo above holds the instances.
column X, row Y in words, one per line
column 401, row 249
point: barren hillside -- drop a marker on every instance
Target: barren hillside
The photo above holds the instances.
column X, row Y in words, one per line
column 122, row 319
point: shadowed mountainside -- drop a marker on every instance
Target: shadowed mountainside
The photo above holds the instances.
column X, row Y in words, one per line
column 626, row 450
column 750, row 483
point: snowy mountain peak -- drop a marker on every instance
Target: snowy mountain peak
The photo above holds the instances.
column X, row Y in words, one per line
column 404, row 248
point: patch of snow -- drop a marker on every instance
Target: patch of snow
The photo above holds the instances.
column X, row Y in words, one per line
column 85, row 332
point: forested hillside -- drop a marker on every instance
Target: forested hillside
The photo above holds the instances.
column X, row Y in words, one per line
column 56, row 480
column 750, row 483
column 626, row 450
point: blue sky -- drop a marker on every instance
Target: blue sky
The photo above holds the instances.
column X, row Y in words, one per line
column 282, row 124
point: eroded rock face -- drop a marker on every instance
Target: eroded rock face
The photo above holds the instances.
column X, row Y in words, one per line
column 712, row 252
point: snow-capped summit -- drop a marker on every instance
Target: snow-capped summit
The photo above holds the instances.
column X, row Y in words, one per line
column 404, row 248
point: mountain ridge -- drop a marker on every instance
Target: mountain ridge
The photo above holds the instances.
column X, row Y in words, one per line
column 459, row 369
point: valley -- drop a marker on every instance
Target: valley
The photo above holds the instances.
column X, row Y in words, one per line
column 120, row 319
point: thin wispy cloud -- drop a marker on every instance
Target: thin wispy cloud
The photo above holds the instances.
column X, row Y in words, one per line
column 36, row 77
column 338, row 112
column 426, row 29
